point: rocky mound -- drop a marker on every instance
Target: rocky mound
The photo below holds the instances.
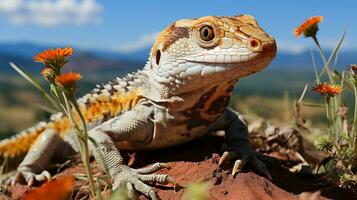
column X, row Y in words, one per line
column 197, row 161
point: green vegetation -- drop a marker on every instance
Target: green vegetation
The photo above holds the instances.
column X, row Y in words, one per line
column 197, row 191
column 61, row 97
column 339, row 141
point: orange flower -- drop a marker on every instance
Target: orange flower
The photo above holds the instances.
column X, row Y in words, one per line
column 57, row 189
column 328, row 90
column 309, row 28
column 53, row 54
column 68, row 79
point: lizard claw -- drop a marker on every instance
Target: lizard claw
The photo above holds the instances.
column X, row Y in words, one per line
column 227, row 156
column 238, row 165
column 136, row 179
column 246, row 157
column 28, row 177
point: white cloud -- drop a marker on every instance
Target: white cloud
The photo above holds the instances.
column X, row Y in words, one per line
column 291, row 47
column 142, row 42
column 299, row 46
column 51, row 12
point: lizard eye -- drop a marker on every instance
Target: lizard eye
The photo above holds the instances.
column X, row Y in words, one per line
column 207, row 33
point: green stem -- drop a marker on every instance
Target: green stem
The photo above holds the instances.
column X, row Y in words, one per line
column 327, row 67
column 336, row 128
column 328, row 116
column 354, row 125
column 320, row 49
column 75, row 104
column 85, row 149
column 313, row 105
column 82, row 136
column 333, row 109
column 86, row 162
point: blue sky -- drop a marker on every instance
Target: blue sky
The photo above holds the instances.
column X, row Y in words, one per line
column 129, row 25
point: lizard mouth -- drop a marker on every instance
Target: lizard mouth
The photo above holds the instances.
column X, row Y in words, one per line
column 224, row 58
column 242, row 68
column 268, row 50
column 241, row 64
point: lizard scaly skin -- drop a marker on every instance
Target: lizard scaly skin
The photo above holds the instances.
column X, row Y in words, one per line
column 181, row 94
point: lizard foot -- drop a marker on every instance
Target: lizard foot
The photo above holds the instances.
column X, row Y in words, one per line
column 243, row 157
column 25, row 175
column 136, row 179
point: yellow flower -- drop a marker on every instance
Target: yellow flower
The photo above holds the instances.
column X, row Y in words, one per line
column 47, row 72
column 53, row 54
column 327, row 89
column 68, row 79
column 309, row 28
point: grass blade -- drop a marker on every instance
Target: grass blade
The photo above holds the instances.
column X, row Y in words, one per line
column 314, row 65
column 346, row 82
column 313, row 105
column 303, row 93
column 43, row 108
column 333, row 54
column 30, row 79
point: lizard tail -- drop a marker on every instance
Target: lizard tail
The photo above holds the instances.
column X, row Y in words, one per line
column 21, row 142
column 103, row 102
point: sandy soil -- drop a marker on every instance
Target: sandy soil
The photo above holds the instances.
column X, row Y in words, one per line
column 197, row 161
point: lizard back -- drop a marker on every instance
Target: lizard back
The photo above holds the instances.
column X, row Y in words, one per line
column 102, row 103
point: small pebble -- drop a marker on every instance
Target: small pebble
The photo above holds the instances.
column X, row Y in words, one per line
column 225, row 192
column 217, row 179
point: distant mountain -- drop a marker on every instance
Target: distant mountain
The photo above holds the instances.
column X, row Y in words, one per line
column 140, row 55
column 83, row 61
column 19, row 60
column 108, row 61
column 303, row 60
column 28, row 49
column 22, row 49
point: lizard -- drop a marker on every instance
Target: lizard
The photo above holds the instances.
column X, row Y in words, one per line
column 181, row 94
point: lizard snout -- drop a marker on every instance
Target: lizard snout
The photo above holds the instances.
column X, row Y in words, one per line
column 265, row 47
column 269, row 48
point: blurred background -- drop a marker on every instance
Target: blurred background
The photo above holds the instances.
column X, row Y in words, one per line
column 112, row 38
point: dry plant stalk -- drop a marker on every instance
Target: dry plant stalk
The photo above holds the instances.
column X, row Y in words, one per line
column 340, row 139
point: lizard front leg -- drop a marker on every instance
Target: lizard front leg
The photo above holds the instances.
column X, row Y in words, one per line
column 237, row 143
column 134, row 126
column 47, row 146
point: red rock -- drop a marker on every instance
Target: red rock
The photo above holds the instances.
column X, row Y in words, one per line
column 197, row 161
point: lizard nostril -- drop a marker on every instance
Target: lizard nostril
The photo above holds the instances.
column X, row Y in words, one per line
column 254, row 44
column 158, row 57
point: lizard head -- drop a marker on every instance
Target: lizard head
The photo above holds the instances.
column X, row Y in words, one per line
column 194, row 53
